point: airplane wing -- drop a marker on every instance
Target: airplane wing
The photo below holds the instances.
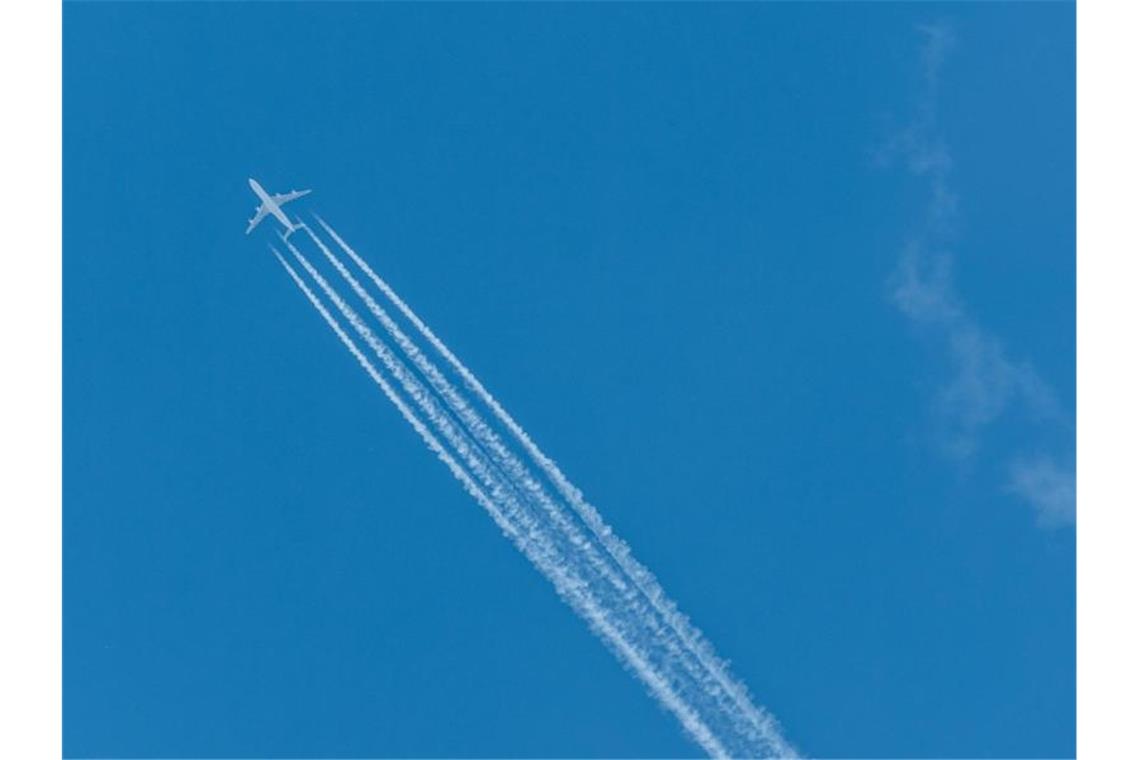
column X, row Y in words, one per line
column 282, row 198
column 262, row 210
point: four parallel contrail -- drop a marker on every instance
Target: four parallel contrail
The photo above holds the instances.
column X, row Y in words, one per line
column 554, row 527
column 764, row 727
column 679, row 649
column 607, row 620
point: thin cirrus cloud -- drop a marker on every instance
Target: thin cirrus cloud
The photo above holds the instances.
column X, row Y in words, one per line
column 984, row 386
column 1047, row 486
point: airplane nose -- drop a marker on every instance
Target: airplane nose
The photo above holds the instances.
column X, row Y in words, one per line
column 251, row 182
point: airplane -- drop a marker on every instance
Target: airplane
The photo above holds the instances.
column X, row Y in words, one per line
column 272, row 205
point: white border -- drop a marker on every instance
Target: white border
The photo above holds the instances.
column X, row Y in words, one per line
column 30, row 406
column 1108, row 347
column 1108, row 340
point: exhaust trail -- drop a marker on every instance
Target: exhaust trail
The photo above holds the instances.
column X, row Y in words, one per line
column 480, row 431
column 760, row 727
column 458, row 439
column 406, row 412
column 630, row 596
column 531, row 538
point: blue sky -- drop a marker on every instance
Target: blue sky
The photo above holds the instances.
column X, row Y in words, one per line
column 672, row 240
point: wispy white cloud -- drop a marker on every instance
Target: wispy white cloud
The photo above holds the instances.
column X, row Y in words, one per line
column 1050, row 487
column 983, row 384
column 938, row 39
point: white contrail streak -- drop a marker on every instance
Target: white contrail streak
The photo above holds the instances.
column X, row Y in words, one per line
column 761, row 727
column 410, row 416
column 519, row 474
column 529, row 537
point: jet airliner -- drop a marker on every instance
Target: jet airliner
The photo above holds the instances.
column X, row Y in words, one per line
column 271, row 204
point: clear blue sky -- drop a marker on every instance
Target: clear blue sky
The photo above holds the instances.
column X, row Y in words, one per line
column 665, row 237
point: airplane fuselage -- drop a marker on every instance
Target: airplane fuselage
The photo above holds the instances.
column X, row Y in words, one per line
column 270, row 206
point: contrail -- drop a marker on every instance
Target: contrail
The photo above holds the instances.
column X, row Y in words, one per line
column 516, row 471
column 410, row 416
column 760, row 727
column 535, row 544
column 486, row 437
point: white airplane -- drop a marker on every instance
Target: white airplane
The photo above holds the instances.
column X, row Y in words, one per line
column 271, row 204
